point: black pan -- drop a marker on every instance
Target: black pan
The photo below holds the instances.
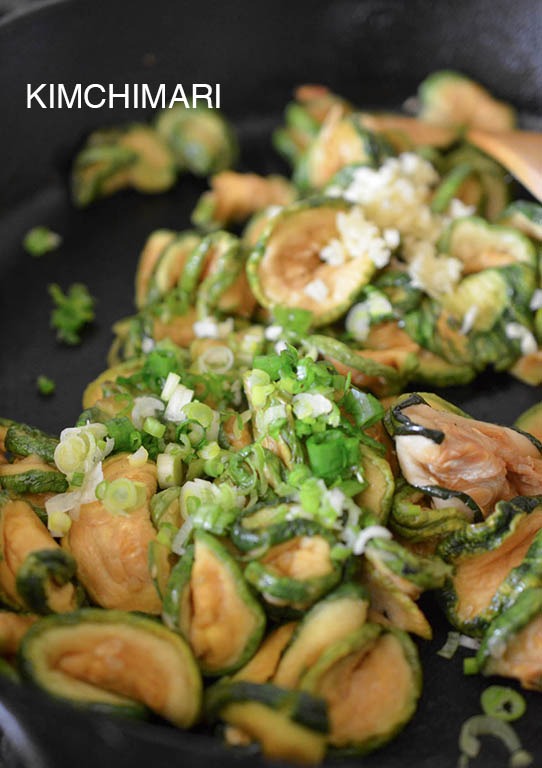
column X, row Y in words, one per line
column 373, row 51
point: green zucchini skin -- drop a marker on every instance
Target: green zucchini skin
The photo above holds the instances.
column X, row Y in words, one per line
column 261, row 539
column 180, row 582
column 337, row 350
column 525, row 216
column 177, row 250
column 388, row 556
column 40, row 567
column 35, row 481
column 477, row 539
column 32, row 659
column 398, row 423
column 23, row 440
column 415, row 521
column 507, row 625
column 300, row 706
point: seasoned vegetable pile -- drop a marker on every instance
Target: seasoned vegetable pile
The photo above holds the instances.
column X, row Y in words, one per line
column 261, row 485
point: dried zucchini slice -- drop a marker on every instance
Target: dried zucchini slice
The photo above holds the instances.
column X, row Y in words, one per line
column 450, row 98
column 210, row 603
column 114, row 662
column 285, row 267
column 371, row 680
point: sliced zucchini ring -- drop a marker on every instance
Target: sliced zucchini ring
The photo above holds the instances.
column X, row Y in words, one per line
column 378, row 495
column 371, row 680
column 338, row 614
column 201, row 140
column 285, row 267
column 450, row 98
column 298, row 569
column 480, row 245
column 210, row 603
column 263, row 665
column 32, row 475
column 289, row 725
column 415, row 519
column 112, row 550
column 234, row 197
column 23, row 440
column 525, row 216
column 169, row 266
column 114, row 662
column 493, row 561
column 340, row 141
column 512, row 645
column 152, row 250
column 34, row 572
column 390, row 605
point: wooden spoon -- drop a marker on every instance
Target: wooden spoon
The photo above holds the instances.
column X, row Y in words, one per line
column 520, row 152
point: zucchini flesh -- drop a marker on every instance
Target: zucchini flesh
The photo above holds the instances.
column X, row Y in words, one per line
column 339, row 613
column 114, row 662
column 208, row 600
column 24, row 440
column 371, row 680
column 531, row 421
column 32, row 475
column 262, row 666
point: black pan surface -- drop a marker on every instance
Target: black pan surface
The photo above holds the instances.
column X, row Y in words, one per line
column 373, row 51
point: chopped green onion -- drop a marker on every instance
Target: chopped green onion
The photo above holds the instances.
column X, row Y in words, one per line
column 126, row 437
column 166, row 534
column 363, row 407
column 450, row 647
column 41, row 240
column 169, row 387
column 73, row 311
column 101, row 489
column 194, row 431
column 169, row 470
column 199, row 412
column 485, row 725
column 470, row 666
column 139, row 458
column 153, row 427
column 77, row 479
column 45, row 385
column 331, row 452
column 502, row 702
column 123, row 495
column 59, row 522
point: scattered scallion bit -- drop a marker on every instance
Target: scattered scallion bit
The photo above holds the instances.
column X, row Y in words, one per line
column 502, row 702
column 46, row 386
column 41, row 240
column 73, row 310
column 486, row 725
column 450, row 646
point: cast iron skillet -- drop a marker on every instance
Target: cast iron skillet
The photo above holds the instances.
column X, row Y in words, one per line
column 373, row 51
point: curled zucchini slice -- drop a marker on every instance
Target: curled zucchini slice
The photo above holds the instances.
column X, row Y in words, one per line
column 480, row 245
column 390, row 605
column 450, row 98
column 298, row 569
column 263, row 665
column 34, row 572
column 512, row 646
column 23, row 440
column 113, row 662
column 378, row 495
column 111, row 550
column 117, row 158
column 414, row 518
column 169, row 266
column 234, row 197
column 289, row 725
column 201, row 140
column 286, row 266
column 371, row 680
column 493, row 561
column 209, row 602
column 340, row 141
column 366, row 372
column 152, row 250
column 525, row 216
column 32, row 475
column 485, row 461
column 341, row 612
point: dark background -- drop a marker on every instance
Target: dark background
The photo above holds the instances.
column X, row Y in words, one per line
column 373, row 51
